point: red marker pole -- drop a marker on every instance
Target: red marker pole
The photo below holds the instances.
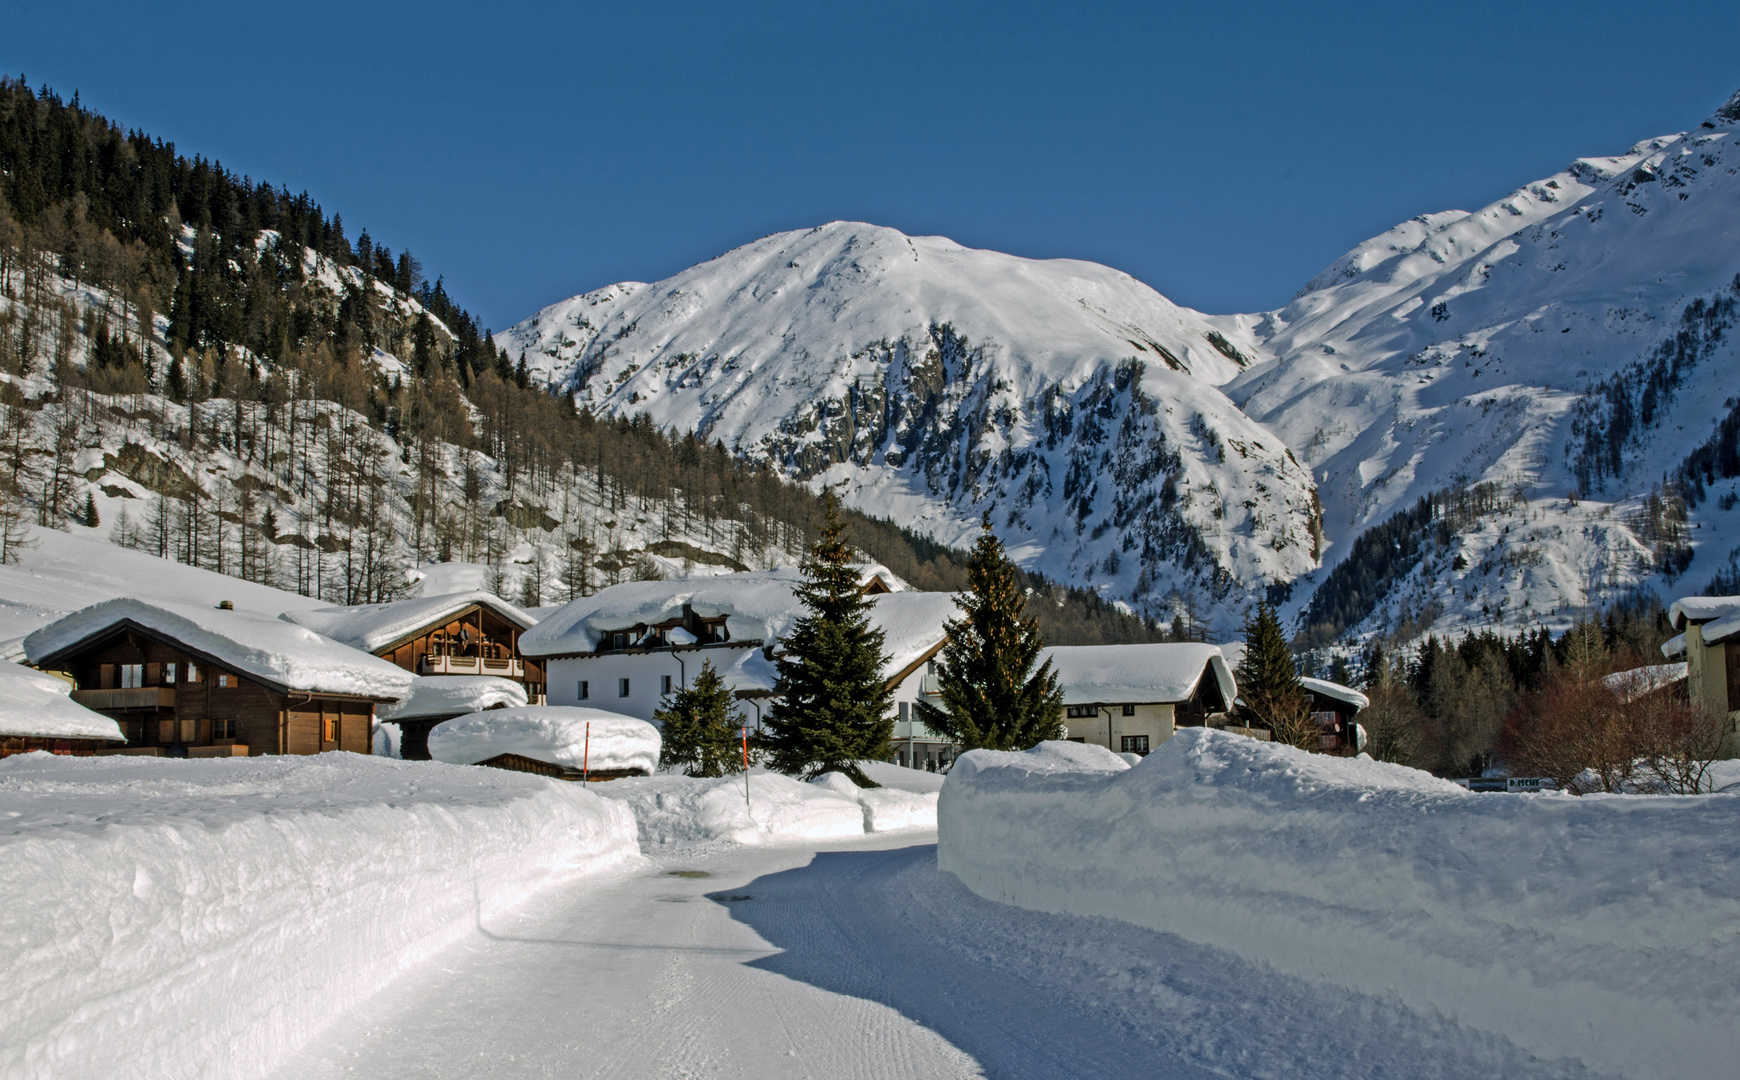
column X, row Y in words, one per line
column 745, row 731
column 586, row 756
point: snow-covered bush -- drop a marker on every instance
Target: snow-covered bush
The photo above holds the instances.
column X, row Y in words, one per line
column 205, row 918
column 1600, row 928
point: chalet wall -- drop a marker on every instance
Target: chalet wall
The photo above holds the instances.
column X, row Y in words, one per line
column 1153, row 720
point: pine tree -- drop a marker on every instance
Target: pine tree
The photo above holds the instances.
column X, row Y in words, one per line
column 1268, row 681
column 833, row 706
column 91, row 518
column 699, row 727
column 991, row 695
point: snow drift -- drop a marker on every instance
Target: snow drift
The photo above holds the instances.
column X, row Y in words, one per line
column 558, row 734
column 34, row 704
column 206, row 918
column 1599, row 929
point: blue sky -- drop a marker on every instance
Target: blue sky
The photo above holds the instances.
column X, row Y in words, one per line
column 1223, row 153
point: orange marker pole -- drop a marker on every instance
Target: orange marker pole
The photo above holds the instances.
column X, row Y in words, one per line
column 586, row 756
column 745, row 731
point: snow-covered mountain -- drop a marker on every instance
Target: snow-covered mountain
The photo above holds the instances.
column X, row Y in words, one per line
column 1074, row 403
column 1465, row 347
column 1567, row 345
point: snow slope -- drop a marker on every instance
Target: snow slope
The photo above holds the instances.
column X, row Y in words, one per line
column 939, row 381
column 1598, row 929
column 207, row 918
column 65, row 571
column 1458, row 347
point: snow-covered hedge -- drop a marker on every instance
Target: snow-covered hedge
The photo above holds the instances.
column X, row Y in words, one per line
column 205, row 918
column 1601, row 928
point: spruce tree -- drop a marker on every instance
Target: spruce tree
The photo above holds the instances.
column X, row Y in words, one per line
column 92, row 520
column 1268, row 681
column 992, row 696
column 833, row 706
column 700, row 727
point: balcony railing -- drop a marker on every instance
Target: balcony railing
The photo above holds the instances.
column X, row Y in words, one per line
column 136, row 697
column 508, row 668
column 930, row 685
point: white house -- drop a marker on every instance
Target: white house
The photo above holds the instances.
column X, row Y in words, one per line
column 1131, row 698
column 628, row 646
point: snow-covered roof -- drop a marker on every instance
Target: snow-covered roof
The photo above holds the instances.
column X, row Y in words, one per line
column 372, row 627
column 35, row 705
column 1335, row 690
column 453, row 695
column 760, row 605
column 1674, row 648
column 1137, row 674
column 273, row 651
column 1701, row 609
column 1644, row 680
column 557, row 734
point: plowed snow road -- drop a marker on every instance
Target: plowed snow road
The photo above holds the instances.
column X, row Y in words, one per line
column 859, row 959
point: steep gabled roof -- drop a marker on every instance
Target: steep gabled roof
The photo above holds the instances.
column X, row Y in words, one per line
column 39, row 706
column 1166, row 673
column 376, row 627
column 277, row 653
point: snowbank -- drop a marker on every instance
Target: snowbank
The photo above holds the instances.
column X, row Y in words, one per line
column 40, row 706
column 886, row 809
column 685, row 809
column 553, row 733
column 270, row 650
column 205, row 918
column 1599, row 928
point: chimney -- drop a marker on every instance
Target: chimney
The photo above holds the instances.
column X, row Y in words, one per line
column 225, row 605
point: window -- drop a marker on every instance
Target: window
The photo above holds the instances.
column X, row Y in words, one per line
column 1129, row 710
column 617, row 641
column 622, row 688
column 132, row 675
column 225, row 679
column 192, row 671
column 1078, row 712
column 664, row 684
column 332, row 728
column 168, row 674
column 585, row 689
column 1134, row 744
column 223, row 729
column 905, row 711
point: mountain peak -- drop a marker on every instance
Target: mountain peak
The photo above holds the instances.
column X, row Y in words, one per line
column 1730, row 113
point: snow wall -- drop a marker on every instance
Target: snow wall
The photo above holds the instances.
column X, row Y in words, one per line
column 207, row 918
column 1600, row 928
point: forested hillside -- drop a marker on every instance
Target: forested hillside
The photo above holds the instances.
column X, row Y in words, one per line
column 211, row 369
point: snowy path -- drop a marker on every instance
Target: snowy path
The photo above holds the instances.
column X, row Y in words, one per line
column 859, row 959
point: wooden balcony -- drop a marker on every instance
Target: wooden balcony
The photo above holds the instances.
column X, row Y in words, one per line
column 137, row 697
column 472, row 665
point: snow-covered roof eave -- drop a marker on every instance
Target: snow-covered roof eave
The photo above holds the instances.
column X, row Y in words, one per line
column 1336, row 691
column 1149, row 674
column 1701, row 609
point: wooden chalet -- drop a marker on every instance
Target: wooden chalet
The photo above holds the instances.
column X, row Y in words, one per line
column 186, row 682
column 470, row 633
column 1333, row 707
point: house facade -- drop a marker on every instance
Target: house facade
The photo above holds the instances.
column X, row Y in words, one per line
column 1132, row 698
column 1709, row 642
column 184, row 681
column 1333, row 707
column 625, row 648
column 471, row 634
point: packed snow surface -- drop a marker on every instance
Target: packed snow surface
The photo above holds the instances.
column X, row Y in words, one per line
column 453, row 695
column 567, row 735
column 206, row 918
column 371, row 627
column 886, row 809
column 41, row 706
column 1136, row 674
column 1599, row 929
column 274, row 651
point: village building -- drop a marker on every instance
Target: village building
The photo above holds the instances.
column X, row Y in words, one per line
column 626, row 647
column 188, row 681
column 1333, row 707
column 1132, row 698
column 37, row 712
column 1709, row 643
column 457, row 634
